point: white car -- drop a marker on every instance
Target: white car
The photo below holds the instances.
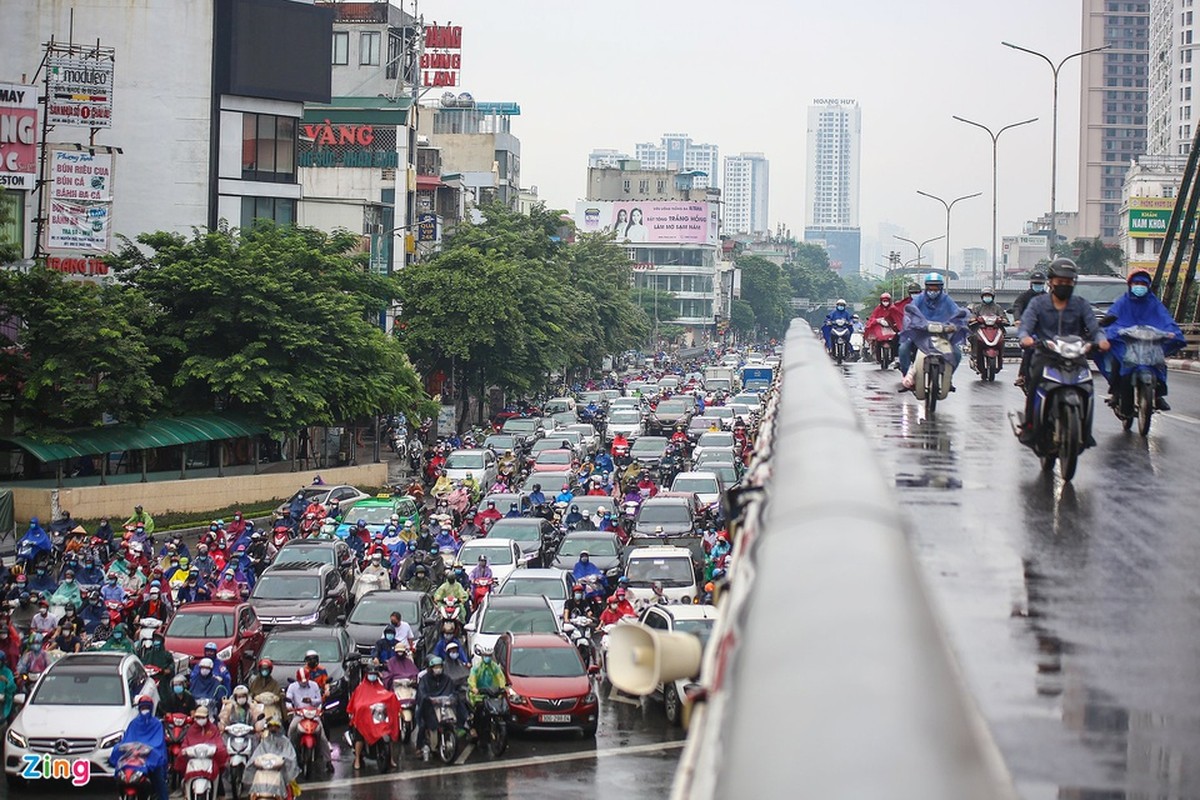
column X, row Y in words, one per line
column 626, row 421
column 510, row 614
column 479, row 464
column 713, row 440
column 706, row 485
column 503, row 555
column 589, row 440
column 79, row 709
column 697, row 620
column 724, row 413
column 666, row 564
column 552, row 584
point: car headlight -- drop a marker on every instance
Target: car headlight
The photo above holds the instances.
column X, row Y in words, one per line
column 614, row 572
column 589, row 698
column 225, row 654
column 515, row 698
column 16, row 739
column 112, row 740
column 311, row 619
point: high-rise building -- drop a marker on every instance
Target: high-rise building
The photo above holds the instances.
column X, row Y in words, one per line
column 1169, row 97
column 832, row 186
column 1113, row 108
column 746, row 187
column 677, row 151
column 606, row 157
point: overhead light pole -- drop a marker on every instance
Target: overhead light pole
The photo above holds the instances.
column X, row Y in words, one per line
column 948, row 206
column 1054, row 70
column 995, row 138
column 920, row 246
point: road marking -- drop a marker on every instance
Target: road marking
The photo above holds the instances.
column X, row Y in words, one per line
column 515, row 763
column 462, row 757
column 1190, row 420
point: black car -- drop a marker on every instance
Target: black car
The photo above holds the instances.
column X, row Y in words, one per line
column 538, row 538
column 648, row 450
column 286, row 648
column 299, row 593
column 603, row 547
column 669, row 413
column 334, row 552
column 372, row 613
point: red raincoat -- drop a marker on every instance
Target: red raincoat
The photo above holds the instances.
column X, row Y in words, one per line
column 367, row 694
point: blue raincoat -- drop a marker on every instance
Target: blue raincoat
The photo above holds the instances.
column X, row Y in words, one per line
column 37, row 538
column 148, row 730
column 833, row 317
column 1130, row 311
column 919, row 313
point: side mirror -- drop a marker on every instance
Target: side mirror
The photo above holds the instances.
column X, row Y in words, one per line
column 19, row 699
column 354, row 657
column 593, row 669
column 469, row 627
column 341, row 620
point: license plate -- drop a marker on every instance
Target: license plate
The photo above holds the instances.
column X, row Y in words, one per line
column 556, row 717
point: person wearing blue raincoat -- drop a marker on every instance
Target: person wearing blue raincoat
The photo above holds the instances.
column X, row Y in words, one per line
column 839, row 312
column 147, row 729
column 1138, row 307
column 934, row 305
column 36, row 539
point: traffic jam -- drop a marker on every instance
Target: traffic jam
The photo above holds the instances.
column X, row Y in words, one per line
column 425, row 622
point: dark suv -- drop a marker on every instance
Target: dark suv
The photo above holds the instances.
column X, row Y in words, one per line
column 300, row 593
column 669, row 413
column 326, row 551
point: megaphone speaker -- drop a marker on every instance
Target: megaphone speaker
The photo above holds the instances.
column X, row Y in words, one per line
column 640, row 658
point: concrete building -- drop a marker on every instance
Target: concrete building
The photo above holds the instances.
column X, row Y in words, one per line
column 746, row 189
column 831, row 195
column 1022, row 254
column 1169, row 98
column 629, row 182
column 606, row 157
column 374, row 50
column 476, row 145
column 1113, row 108
column 205, row 111
column 677, row 151
column 976, row 263
column 1148, row 198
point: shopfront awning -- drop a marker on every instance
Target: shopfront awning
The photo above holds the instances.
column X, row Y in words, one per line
column 429, row 182
column 146, row 436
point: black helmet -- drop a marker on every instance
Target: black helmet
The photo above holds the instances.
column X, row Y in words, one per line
column 1037, row 277
column 1063, row 268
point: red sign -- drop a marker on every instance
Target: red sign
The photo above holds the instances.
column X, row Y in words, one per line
column 329, row 134
column 72, row 265
column 18, row 136
column 441, row 60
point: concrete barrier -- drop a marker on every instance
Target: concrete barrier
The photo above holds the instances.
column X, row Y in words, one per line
column 827, row 675
column 194, row 495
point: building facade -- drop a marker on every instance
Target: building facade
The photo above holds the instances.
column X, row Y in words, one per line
column 746, row 191
column 831, row 193
column 1169, row 98
column 1148, row 199
column 677, row 151
column 976, row 263
column 606, row 157
column 214, row 143
column 1113, row 108
column 374, row 49
column 476, row 146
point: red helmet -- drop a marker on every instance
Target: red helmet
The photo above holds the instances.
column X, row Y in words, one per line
column 885, row 296
column 1142, row 274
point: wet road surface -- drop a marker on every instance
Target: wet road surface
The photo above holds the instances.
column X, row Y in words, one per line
column 1074, row 610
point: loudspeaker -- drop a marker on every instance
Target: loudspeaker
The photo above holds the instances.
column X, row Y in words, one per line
column 640, row 658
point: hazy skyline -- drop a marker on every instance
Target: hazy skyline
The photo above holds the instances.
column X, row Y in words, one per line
column 742, row 76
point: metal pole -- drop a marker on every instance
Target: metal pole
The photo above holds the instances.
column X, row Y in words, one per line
column 948, row 207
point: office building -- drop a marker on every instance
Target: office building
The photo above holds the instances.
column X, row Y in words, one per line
column 1169, row 96
column 1113, row 108
column 607, row 157
column 745, row 188
column 831, row 193
column 476, row 143
column 677, row 151
column 976, row 263
column 1148, row 198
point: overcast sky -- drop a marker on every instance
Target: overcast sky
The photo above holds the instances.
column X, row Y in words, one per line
column 741, row 75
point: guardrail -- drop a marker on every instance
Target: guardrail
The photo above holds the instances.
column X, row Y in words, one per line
column 827, row 675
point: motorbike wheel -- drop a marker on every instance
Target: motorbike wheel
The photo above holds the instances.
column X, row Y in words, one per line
column 498, row 737
column 989, row 369
column 933, row 380
column 1070, row 440
column 447, row 744
column 1145, row 407
column 309, row 760
column 235, row 780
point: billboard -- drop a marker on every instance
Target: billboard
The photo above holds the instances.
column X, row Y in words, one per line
column 441, row 59
column 1149, row 216
column 81, row 176
column 80, row 91
column 18, row 136
column 650, row 222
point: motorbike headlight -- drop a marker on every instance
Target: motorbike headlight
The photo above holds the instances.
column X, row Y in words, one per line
column 16, row 739
column 225, row 654
column 112, row 740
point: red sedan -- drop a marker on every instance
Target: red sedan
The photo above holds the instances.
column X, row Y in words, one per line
column 554, row 461
column 233, row 627
column 550, row 689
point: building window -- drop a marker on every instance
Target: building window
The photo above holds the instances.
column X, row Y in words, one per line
column 395, row 55
column 280, row 210
column 368, row 48
column 268, row 148
column 341, row 47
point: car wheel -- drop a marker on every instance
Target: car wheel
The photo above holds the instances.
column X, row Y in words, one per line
column 673, row 706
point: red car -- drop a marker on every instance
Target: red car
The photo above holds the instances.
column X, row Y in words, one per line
column 233, row 627
column 550, row 689
column 554, row 461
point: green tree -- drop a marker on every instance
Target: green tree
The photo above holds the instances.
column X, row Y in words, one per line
column 601, row 272
column 10, row 251
column 76, row 353
column 767, row 291
column 741, row 316
column 657, row 304
column 1094, row 257
column 810, row 276
column 278, row 322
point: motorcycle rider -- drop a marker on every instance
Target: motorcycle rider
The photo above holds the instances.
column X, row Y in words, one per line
column 481, row 571
column 1060, row 312
column 178, row 699
column 376, row 568
column 839, row 312
column 420, row 581
column 577, row 605
column 434, row 683
column 886, row 310
column 303, row 693
column 934, row 305
column 537, row 497
column 485, row 674
column 364, row 729
column 240, row 709
column 399, row 666
column 1037, row 287
column 273, row 743
column 1139, row 306
column 205, row 684
column 264, row 682
column 34, row 660
column 67, row 592
column 148, row 730
column 485, row 518
column 42, row 581
column 219, row 670
column 140, row 517
column 988, row 307
column 385, row 647
column 156, row 655
column 203, row 730
column 615, row 612
column 904, row 352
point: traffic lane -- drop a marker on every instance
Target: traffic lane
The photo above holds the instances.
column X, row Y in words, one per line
column 1072, row 609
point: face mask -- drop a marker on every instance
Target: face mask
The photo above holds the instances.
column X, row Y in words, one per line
column 201, row 721
column 933, row 294
column 145, row 712
column 841, row 308
column 45, row 611
column 487, row 659
column 1064, row 292
column 579, row 595
column 118, row 636
column 206, row 672
column 36, row 647
column 987, row 299
column 391, row 637
column 177, row 689
column 885, row 303
column 1038, row 287
column 157, row 645
column 241, row 701
column 372, row 678
column 41, row 572
column 266, row 673
column 914, row 295
column 1139, row 290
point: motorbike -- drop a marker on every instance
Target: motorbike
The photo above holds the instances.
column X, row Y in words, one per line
column 445, row 735
column 933, row 368
column 987, row 347
column 270, row 705
column 306, row 753
column 481, row 588
column 200, row 774
column 883, row 346
column 490, row 724
column 239, row 741
column 450, row 610
column 840, row 332
column 268, row 778
column 1062, row 406
column 381, row 751
column 131, row 774
column 406, row 692
column 579, row 631
column 175, row 727
column 621, row 455
column 1137, row 387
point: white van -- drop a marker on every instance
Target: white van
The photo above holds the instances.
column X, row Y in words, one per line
column 558, row 405
column 672, row 566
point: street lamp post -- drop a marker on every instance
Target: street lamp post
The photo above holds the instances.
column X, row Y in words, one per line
column 948, row 206
column 920, row 246
column 995, row 138
column 1054, row 69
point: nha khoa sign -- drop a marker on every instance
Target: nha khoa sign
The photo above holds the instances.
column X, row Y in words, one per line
column 325, row 144
column 441, row 60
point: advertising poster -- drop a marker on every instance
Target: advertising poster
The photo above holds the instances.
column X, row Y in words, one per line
column 18, row 136
column 81, row 176
column 79, row 226
column 649, row 222
column 80, row 91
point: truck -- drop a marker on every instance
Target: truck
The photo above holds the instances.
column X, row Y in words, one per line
column 757, row 378
column 720, row 379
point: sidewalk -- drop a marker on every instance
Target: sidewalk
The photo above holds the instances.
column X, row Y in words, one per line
column 1183, row 365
